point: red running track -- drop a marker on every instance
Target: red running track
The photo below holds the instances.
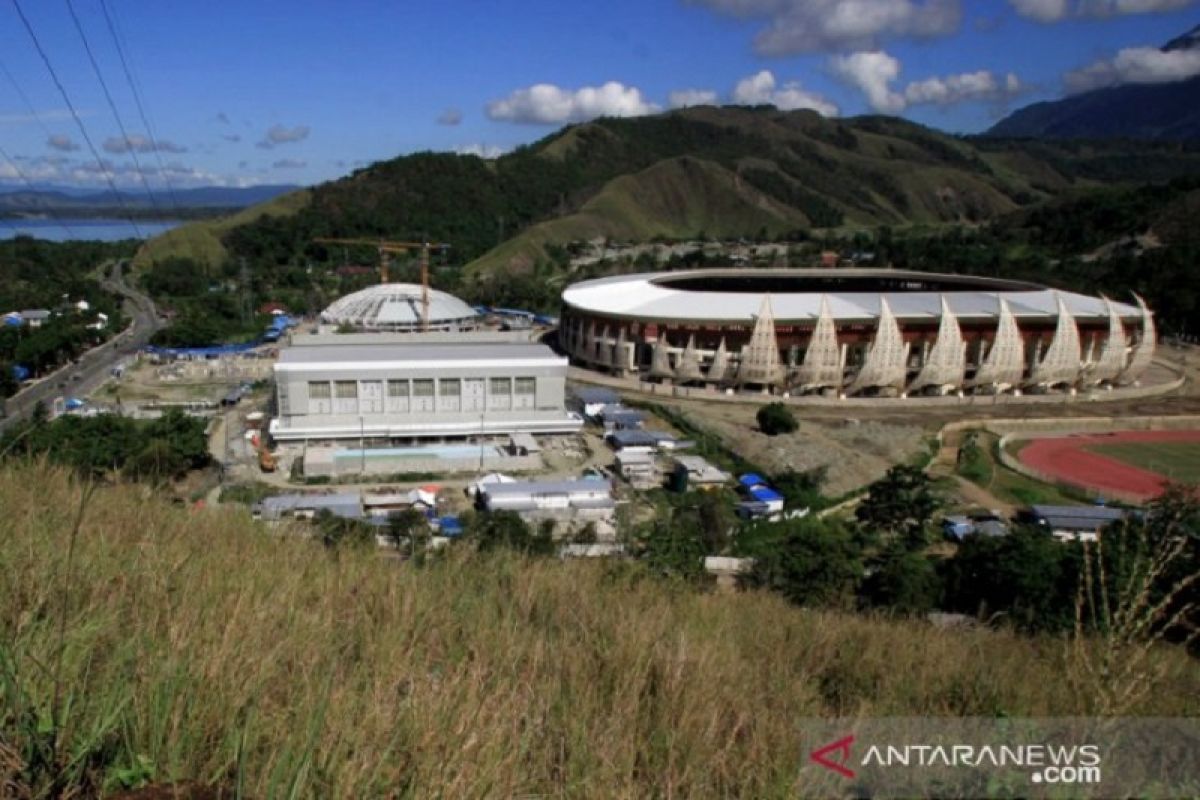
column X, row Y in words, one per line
column 1067, row 459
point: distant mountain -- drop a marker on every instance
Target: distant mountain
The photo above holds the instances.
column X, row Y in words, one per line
column 1161, row 111
column 51, row 199
column 707, row 171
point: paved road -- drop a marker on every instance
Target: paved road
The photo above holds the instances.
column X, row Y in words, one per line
column 94, row 365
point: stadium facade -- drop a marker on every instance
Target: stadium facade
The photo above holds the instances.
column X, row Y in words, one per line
column 853, row 332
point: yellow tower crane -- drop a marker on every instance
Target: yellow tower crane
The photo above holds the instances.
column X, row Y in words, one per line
column 386, row 248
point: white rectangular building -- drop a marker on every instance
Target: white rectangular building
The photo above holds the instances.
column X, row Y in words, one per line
column 397, row 392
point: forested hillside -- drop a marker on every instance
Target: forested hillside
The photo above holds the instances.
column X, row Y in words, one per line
column 1024, row 208
column 784, row 172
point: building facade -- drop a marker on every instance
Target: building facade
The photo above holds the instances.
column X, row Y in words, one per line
column 853, row 332
column 399, row 393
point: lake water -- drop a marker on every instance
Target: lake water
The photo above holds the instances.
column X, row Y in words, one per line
column 95, row 229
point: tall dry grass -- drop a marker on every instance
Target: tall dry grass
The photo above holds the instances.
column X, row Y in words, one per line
column 195, row 646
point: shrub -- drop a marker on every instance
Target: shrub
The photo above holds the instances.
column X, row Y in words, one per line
column 776, row 418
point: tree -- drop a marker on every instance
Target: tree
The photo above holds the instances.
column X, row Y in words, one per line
column 494, row 530
column 776, row 418
column 157, row 461
column 904, row 581
column 810, row 561
column 335, row 532
column 900, row 504
column 801, row 488
column 8, row 381
column 407, row 526
column 1028, row 578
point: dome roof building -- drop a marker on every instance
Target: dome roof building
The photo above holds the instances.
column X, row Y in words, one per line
column 397, row 307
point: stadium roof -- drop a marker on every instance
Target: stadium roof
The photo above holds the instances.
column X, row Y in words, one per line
column 396, row 306
column 669, row 297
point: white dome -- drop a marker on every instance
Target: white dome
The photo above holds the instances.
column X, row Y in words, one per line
column 397, row 307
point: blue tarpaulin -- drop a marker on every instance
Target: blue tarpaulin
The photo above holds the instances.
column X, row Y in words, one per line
column 752, row 479
column 20, row 373
column 764, row 495
column 450, row 526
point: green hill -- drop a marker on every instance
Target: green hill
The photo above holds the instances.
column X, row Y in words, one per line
column 730, row 171
column 148, row 643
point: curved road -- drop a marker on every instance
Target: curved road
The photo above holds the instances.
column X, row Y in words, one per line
column 94, row 365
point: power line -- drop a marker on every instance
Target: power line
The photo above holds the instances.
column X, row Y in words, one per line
column 41, row 124
column 129, row 145
column 29, row 185
column 75, row 115
column 25, row 99
column 137, row 99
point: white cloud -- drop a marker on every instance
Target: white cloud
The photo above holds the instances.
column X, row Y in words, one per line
column 547, row 104
column 451, row 116
column 761, row 89
column 62, row 143
column 482, row 150
column 289, row 163
column 800, row 26
column 86, row 173
column 684, row 98
column 874, row 73
column 1042, row 10
column 1056, row 10
column 140, row 144
column 952, row 89
column 280, row 134
column 1136, row 65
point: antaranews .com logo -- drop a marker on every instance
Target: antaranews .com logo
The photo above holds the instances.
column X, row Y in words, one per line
column 1001, row 757
column 1046, row 763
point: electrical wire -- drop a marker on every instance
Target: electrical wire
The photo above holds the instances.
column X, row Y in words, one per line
column 112, row 106
column 75, row 115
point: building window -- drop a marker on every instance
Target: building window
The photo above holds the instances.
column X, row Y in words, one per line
column 318, row 390
column 422, row 388
column 526, row 385
column 397, row 388
column 346, row 390
column 450, row 387
column 501, row 386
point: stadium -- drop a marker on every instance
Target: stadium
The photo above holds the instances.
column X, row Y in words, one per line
column 845, row 332
column 397, row 307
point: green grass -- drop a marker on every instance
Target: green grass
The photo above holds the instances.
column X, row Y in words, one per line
column 1179, row 461
column 986, row 471
column 143, row 641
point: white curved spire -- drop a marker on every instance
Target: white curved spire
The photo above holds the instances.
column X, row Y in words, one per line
column 688, row 368
column 1143, row 351
column 760, row 357
column 660, row 359
column 947, row 360
column 718, row 370
column 1113, row 353
column 1061, row 362
column 822, row 365
column 1004, row 363
column 884, row 364
column 603, row 349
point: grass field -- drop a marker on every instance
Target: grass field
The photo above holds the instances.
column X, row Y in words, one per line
column 1179, row 461
column 1011, row 487
column 161, row 645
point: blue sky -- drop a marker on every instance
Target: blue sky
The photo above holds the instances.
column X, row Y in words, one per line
column 267, row 91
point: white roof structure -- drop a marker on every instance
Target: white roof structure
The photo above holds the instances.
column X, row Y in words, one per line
column 463, row 355
column 663, row 297
column 397, row 307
